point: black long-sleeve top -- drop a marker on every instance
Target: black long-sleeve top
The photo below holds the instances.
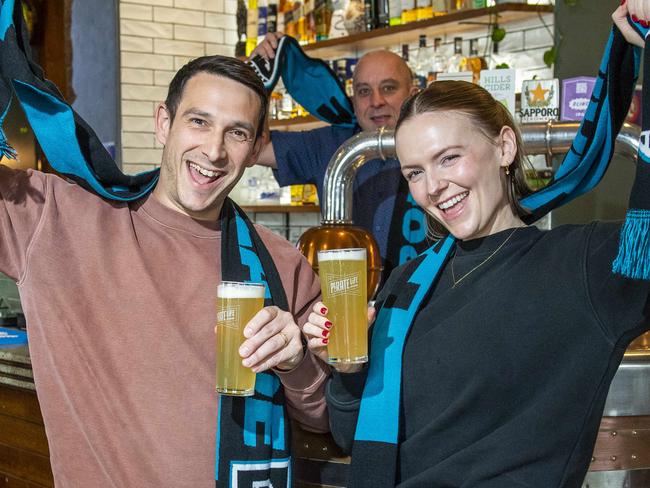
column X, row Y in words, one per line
column 505, row 375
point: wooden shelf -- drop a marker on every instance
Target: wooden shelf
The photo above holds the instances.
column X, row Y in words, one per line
column 450, row 24
column 299, row 123
column 281, row 208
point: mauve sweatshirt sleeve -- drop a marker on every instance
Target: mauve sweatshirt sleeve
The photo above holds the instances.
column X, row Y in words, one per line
column 304, row 385
column 22, row 202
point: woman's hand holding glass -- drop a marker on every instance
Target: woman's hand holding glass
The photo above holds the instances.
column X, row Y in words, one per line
column 317, row 330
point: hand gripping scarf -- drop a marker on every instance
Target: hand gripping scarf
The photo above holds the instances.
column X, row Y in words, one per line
column 313, row 84
column 374, row 453
column 252, row 441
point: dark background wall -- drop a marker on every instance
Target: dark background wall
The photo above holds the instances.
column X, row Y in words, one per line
column 581, row 32
column 95, row 66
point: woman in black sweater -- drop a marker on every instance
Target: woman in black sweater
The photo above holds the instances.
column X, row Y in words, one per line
column 502, row 376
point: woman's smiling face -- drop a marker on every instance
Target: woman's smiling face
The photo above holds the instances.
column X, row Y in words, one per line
column 456, row 172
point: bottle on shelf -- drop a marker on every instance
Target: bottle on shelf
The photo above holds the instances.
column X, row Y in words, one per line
column 382, row 13
column 422, row 62
column 301, row 24
column 262, row 14
column 323, row 18
column 475, row 63
column 459, row 5
column 395, row 12
column 409, row 12
column 290, row 25
column 272, row 16
column 439, row 61
column 423, row 10
column 438, row 7
column 251, row 27
column 369, row 14
column 457, row 61
column 286, row 106
column 310, row 21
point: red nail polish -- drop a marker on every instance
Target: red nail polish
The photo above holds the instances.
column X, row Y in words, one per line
column 644, row 23
column 323, row 311
column 325, row 341
column 623, row 2
column 635, row 18
column 328, row 324
column 326, row 333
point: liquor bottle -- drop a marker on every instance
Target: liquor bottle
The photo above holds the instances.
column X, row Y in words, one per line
column 289, row 24
column 475, row 63
column 310, row 22
column 395, row 12
column 439, row 61
column 459, row 4
column 369, row 14
column 272, row 17
column 438, row 7
column 251, row 27
column 382, row 14
column 301, row 25
column 422, row 62
column 409, row 12
column 323, row 16
column 423, row 9
column 262, row 13
column 456, row 62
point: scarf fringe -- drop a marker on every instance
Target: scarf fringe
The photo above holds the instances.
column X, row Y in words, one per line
column 633, row 260
column 6, row 150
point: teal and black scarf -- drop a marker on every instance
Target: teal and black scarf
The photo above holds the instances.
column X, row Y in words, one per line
column 374, row 453
column 253, row 442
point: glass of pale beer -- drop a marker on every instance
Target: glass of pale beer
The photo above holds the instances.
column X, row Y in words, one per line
column 237, row 303
column 343, row 282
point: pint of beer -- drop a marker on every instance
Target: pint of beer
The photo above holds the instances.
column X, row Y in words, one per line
column 237, row 303
column 343, row 284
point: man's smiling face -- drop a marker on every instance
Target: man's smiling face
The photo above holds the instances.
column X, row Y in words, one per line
column 207, row 146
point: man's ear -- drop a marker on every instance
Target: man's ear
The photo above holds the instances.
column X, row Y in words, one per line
column 163, row 123
column 260, row 143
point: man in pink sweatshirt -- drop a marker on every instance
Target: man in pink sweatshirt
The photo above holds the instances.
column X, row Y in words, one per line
column 120, row 297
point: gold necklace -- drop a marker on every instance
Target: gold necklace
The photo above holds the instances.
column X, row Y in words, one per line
column 453, row 276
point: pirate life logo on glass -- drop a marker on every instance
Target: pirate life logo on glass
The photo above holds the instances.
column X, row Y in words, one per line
column 348, row 284
column 229, row 316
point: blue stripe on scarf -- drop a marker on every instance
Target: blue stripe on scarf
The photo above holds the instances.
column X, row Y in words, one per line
column 249, row 257
column 381, row 396
column 53, row 124
column 6, row 17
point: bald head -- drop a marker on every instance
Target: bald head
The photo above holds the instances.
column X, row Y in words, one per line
column 382, row 57
column 382, row 81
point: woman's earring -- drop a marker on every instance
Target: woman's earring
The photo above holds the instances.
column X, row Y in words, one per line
column 508, row 170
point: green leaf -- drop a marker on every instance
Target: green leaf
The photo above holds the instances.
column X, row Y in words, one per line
column 498, row 34
column 549, row 57
column 502, row 66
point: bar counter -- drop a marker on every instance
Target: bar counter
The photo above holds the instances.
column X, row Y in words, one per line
column 621, row 457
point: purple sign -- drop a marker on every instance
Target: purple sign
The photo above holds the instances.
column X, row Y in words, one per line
column 576, row 93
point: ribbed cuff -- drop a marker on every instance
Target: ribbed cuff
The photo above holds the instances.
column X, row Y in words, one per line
column 307, row 375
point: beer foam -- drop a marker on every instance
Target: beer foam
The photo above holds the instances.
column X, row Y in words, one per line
column 342, row 254
column 228, row 289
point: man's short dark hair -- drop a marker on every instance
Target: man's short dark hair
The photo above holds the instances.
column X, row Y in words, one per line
column 224, row 66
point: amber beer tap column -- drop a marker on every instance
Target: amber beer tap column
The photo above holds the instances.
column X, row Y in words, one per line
column 237, row 303
column 343, row 281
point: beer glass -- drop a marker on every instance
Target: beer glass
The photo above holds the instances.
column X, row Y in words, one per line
column 343, row 281
column 237, row 303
